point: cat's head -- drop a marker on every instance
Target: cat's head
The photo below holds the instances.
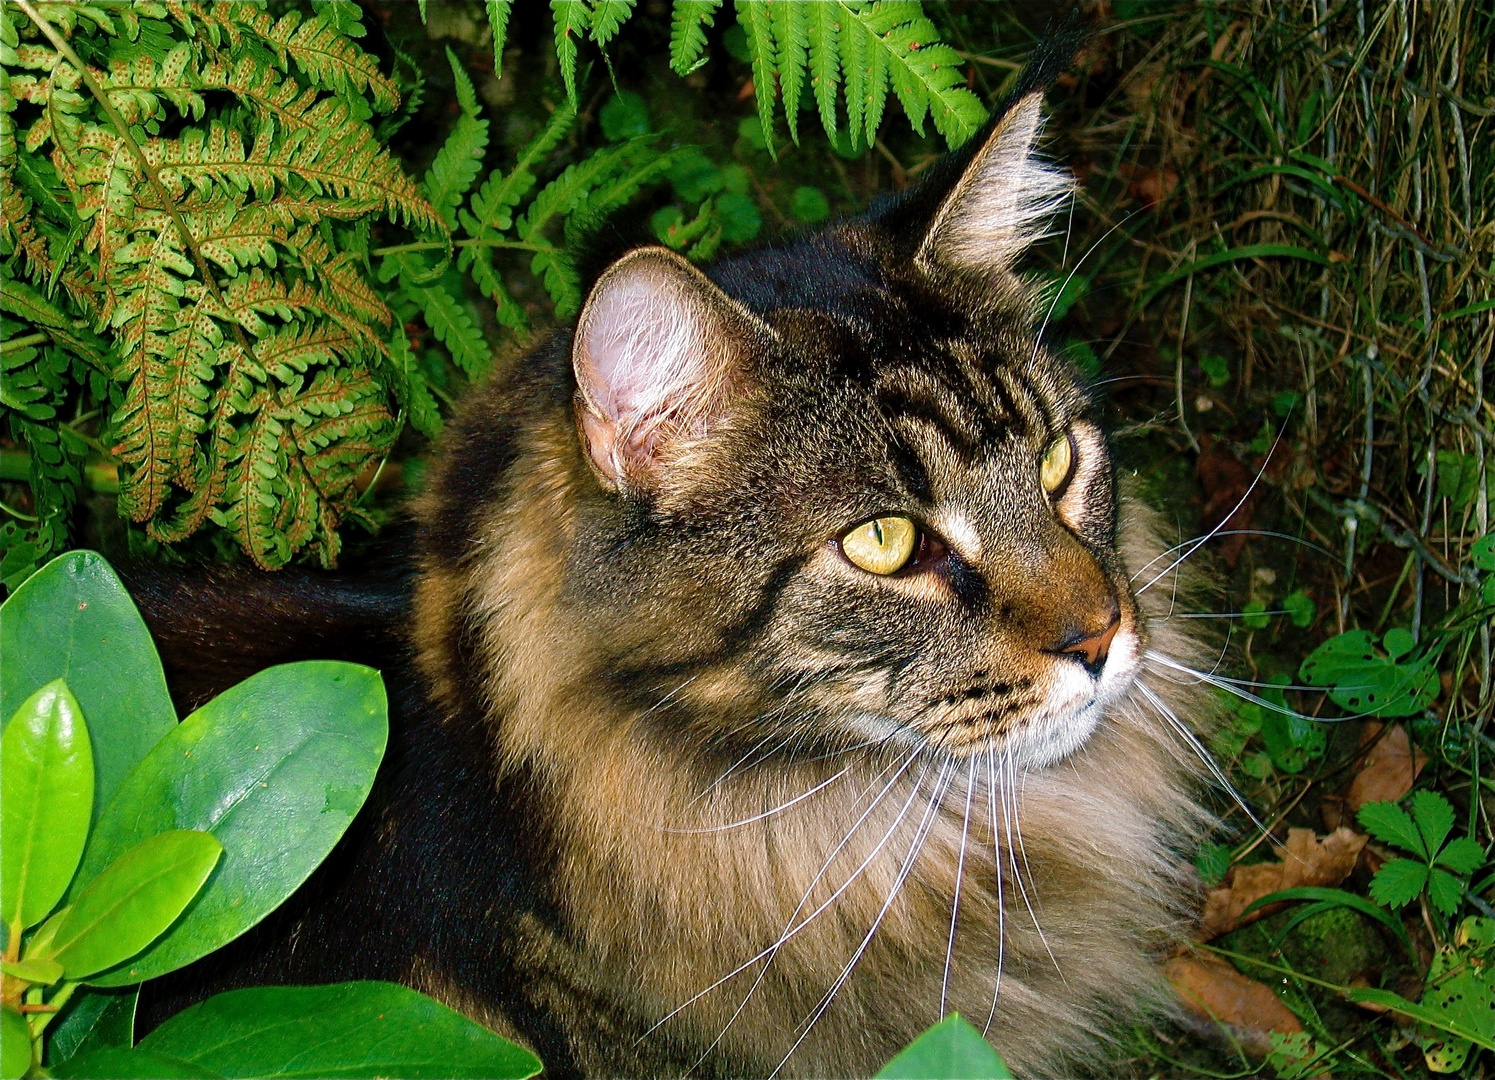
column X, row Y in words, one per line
column 840, row 492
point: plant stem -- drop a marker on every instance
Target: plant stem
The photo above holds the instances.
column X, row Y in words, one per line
column 21, row 342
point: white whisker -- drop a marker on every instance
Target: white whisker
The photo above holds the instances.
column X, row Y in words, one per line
column 996, row 843
column 960, row 869
column 1011, row 823
column 759, row 817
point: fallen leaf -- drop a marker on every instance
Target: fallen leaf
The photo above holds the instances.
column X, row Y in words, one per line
column 1213, row 991
column 1388, row 770
column 1308, row 861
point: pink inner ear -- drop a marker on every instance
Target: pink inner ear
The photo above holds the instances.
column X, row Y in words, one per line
column 649, row 356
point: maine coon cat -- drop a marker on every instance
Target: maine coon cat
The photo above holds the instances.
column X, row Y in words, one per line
column 777, row 677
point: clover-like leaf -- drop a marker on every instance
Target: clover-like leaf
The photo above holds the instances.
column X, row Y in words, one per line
column 1391, row 824
column 1398, row 883
column 951, row 1049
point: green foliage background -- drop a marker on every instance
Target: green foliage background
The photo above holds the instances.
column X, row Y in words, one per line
column 1281, row 268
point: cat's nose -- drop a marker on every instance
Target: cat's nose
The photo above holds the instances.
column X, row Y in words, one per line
column 1090, row 648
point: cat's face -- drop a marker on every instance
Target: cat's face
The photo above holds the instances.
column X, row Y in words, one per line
column 846, row 496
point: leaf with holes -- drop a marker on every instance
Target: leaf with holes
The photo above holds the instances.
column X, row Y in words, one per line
column 1365, row 680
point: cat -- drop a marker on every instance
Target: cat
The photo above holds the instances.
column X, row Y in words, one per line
column 777, row 679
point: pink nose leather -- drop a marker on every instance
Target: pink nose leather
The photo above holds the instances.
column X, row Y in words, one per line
column 1094, row 649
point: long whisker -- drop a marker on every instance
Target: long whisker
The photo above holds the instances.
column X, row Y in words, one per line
column 1192, row 741
column 996, row 843
column 931, row 812
column 1233, row 686
column 960, row 869
column 1073, row 271
column 1160, row 556
column 1196, row 544
column 766, row 814
column 1012, row 823
column 792, row 929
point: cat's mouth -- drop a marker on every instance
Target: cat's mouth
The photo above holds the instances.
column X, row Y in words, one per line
column 1036, row 719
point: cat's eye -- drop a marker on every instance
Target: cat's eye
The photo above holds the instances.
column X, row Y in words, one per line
column 1058, row 462
column 883, row 545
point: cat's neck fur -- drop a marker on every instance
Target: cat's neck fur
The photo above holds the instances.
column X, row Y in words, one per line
column 659, row 901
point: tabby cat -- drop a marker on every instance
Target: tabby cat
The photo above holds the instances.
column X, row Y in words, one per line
column 779, row 677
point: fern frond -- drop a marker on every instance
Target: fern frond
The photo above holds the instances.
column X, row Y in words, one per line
column 561, row 280
column 455, row 167
column 450, row 321
column 688, row 24
column 926, row 74
column 493, row 205
column 607, row 17
column 329, row 59
column 791, row 32
column 825, row 61
column 752, row 16
column 498, row 23
column 414, row 394
column 479, row 263
column 573, row 18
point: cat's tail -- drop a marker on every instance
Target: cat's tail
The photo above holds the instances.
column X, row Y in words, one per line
column 215, row 626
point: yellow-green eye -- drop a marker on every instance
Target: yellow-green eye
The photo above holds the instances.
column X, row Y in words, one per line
column 1057, row 462
column 883, row 545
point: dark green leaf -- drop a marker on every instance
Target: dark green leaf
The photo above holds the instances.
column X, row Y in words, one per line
column 276, row 768
column 1300, row 608
column 46, row 773
column 1399, row 882
column 740, row 218
column 625, row 116
column 1482, row 552
column 809, row 205
column 1444, row 890
column 96, row 640
column 357, row 1029
column 1364, row 681
column 1462, row 856
column 120, row 1063
column 93, row 1020
column 951, row 1050
column 133, row 900
column 1435, row 1017
column 1389, row 823
column 1434, row 817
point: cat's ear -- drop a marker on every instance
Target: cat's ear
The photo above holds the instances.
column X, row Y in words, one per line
column 661, row 357
column 1000, row 204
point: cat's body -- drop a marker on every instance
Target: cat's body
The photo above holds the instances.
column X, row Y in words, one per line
column 677, row 782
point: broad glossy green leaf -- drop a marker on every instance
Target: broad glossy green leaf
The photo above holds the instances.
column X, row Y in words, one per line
column 356, row 1029
column 121, row 1063
column 46, row 772
column 15, row 1045
column 93, row 1020
column 951, row 1050
column 72, row 619
column 276, row 768
column 133, row 900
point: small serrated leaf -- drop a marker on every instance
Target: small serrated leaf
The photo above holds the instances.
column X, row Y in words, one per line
column 1398, row 883
column 1444, row 890
column 1434, row 817
column 1462, row 856
column 1391, row 824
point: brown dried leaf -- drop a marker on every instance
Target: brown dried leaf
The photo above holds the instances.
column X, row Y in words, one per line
column 1230, row 500
column 1213, row 991
column 1388, row 770
column 1308, row 860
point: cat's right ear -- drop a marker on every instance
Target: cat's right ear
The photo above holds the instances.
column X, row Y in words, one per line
column 661, row 358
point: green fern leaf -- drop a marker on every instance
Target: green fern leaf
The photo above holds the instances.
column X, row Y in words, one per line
column 791, row 33
column 561, row 281
column 493, row 205
column 607, row 17
column 926, row 74
column 752, row 16
column 414, row 394
column 854, row 67
column 573, row 18
column 480, row 264
column 498, row 23
column 567, row 191
column 455, row 167
column 825, row 61
column 688, row 33
column 610, row 196
column 450, row 321
column 330, row 59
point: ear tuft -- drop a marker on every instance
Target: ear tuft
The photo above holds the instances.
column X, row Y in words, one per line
column 1002, row 202
column 661, row 356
